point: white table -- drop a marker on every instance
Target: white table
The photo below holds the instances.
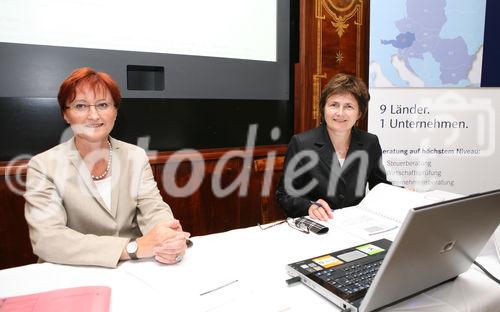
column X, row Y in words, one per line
column 257, row 260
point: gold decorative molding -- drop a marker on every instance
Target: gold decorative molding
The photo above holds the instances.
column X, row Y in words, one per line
column 319, row 64
column 339, row 23
column 340, row 15
column 339, row 56
column 355, row 7
column 331, row 6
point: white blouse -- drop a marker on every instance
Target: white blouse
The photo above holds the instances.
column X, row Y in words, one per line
column 104, row 189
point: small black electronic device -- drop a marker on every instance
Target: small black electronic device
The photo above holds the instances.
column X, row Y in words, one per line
column 310, row 225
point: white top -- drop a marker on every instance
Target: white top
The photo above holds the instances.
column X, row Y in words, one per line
column 341, row 161
column 104, row 189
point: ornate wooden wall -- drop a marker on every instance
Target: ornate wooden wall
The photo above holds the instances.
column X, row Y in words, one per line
column 333, row 39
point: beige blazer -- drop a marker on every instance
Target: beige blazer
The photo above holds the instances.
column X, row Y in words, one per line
column 67, row 218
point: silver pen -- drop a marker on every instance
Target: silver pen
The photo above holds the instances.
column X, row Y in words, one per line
column 222, row 286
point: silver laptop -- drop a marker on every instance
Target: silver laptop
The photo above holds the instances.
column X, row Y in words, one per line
column 435, row 244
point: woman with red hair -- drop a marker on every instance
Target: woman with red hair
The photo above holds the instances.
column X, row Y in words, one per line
column 92, row 200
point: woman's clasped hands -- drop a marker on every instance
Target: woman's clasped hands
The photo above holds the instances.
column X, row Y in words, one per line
column 166, row 242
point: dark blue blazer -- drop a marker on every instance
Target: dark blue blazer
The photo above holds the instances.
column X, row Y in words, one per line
column 339, row 186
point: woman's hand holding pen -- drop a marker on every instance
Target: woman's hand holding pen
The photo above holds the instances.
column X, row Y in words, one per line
column 320, row 210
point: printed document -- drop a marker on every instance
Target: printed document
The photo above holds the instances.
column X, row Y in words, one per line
column 383, row 210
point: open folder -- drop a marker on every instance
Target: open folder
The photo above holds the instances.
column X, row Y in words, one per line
column 384, row 208
column 79, row 299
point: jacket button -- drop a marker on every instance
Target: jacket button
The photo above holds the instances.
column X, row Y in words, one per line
column 341, row 196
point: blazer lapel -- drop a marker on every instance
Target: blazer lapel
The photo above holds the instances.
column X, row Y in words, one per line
column 325, row 148
column 84, row 173
column 326, row 153
column 119, row 159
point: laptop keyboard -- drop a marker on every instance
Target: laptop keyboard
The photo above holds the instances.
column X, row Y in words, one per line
column 351, row 281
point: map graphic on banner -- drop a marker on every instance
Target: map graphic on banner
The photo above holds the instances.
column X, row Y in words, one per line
column 437, row 127
column 426, row 43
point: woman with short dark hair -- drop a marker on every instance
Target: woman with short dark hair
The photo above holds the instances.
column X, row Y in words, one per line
column 328, row 167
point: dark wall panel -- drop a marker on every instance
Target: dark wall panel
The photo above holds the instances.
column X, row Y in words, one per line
column 490, row 75
column 29, row 126
column 32, row 125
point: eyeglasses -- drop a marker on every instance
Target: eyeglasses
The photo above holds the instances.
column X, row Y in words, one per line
column 288, row 221
column 85, row 108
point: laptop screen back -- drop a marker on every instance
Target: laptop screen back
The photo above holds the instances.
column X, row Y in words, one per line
column 436, row 243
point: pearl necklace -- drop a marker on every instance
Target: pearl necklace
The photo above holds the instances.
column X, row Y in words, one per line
column 105, row 173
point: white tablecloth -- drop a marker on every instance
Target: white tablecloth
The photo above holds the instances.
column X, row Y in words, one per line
column 256, row 260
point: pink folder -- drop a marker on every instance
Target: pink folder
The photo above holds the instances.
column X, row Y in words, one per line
column 79, row 299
